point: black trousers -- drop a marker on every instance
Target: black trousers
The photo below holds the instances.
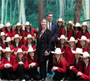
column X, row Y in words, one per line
column 58, row 76
column 67, row 74
column 33, row 73
column 50, row 57
column 2, row 76
column 79, row 79
column 9, row 74
column 73, row 76
column 21, row 73
column 42, row 69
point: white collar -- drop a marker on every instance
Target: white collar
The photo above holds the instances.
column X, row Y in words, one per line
column 71, row 48
column 57, row 59
column 17, row 44
column 48, row 25
column 86, row 65
column 9, row 45
column 20, row 59
column 28, row 30
column 77, row 31
column 32, row 58
column 8, row 58
column 0, row 57
column 29, row 45
column 9, row 30
column 49, row 22
column 18, row 31
column 82, row 46
column 77, row 61
column 62, row 46
column 3, row 41
column 83, row 31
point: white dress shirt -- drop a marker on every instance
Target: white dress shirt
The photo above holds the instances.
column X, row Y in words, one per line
column 8, row 59
column 17, row 44
column 71, row 48
column 86, row 65
column 0, row 57
column 3, row 41
column 62, row 46
column 83, row 31
column 8, row 30
column 9, row 45
column 18, row 31
column 29, row 45
column 57, row 59
column 77, row 31
column 77, row 61
column 48, row 25
column 28, row 30
column 32, row 58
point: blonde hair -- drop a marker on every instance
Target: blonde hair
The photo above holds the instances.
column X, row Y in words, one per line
column 55, row 60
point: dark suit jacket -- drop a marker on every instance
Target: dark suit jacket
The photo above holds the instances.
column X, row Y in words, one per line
column 54, row 31
column 43, row 44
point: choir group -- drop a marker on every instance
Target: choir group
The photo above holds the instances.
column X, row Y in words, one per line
column 67, row 50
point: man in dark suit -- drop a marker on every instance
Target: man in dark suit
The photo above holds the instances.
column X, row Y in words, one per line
column 54, row 31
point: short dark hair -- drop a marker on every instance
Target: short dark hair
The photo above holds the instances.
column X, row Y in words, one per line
column 49, row 13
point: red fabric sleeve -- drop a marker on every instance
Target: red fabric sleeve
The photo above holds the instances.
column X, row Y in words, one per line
column 63, row 32
column 85, row 77
column 87, row 35
column 35, row 31
column 26, row 66
column 2, row 63
column 74, row 70
column 70, row 34
column 63, row 69
column 15, row 65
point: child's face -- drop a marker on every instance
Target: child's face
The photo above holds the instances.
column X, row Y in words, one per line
column 60, row 23
column 31, row 54
column 17, row 40
column 77, row 56
column 29, row 40
column 3, row 37
column 20, row 55
column 27, row 27
column 86, row 60
column 82, row 42
column 57, row 55
column 8, row 28
column 76, row 28
column 84, row 28
column 68, row 25
column 72, row 43
column 18, row 27
column 8, row 54
column 62, row 41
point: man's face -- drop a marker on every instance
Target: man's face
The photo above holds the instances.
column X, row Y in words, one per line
column 50, row 17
